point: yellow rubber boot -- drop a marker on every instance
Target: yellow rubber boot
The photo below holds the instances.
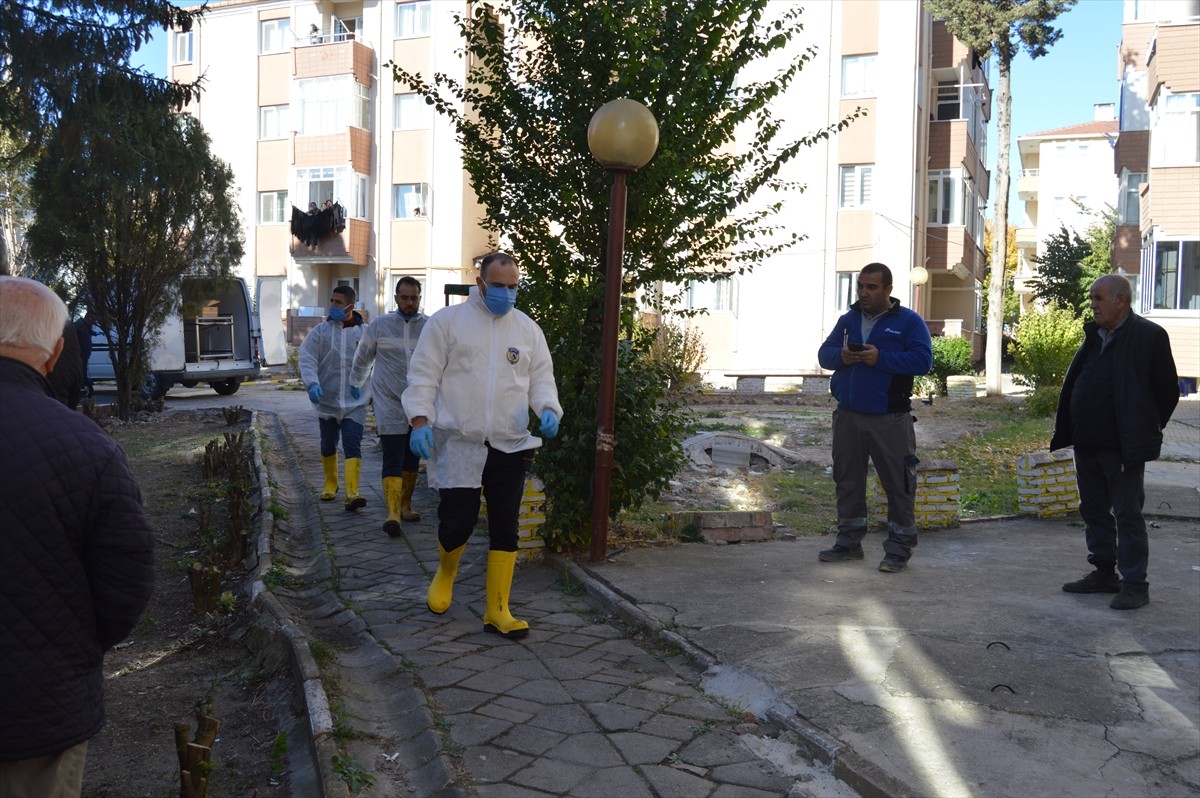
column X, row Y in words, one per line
column 353, row 470
column 406, row 510
column 392, row 489
column 329, row 466
column 441, row 589
column 497, row 618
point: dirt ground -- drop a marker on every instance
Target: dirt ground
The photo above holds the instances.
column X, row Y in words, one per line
column 176, row 661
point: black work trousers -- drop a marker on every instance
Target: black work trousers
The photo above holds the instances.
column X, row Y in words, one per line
column 1111, row 496
column 503, row 484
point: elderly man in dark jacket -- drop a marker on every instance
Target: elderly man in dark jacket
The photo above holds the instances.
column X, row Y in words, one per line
column 1118, row 395
column 76, row 556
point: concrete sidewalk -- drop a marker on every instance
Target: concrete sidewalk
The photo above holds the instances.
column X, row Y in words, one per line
column 969, row 674
column 581, row 707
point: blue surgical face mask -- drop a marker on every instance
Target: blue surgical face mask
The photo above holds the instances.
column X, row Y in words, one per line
column 336, row 313
column 500, row 300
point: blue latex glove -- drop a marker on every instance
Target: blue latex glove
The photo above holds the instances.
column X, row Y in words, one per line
column 315, row 393
column 355, row 392
column 549, row 424
column 420, row 441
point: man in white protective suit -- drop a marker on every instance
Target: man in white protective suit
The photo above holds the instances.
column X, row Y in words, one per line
column 480, row 367
column 383, row 355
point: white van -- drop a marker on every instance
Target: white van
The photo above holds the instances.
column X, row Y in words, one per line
column 219, row 342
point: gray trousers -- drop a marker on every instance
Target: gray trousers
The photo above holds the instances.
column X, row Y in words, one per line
column 891, row 443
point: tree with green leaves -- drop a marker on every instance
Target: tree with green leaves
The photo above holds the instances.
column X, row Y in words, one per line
column 1001, row 28
column 1071, row 263
column 702, row 209
column 75, row 54
column 1012, row 302
column 123, row 213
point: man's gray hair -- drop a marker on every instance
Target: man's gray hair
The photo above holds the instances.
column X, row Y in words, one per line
column 1117, row 285
column 31, row 315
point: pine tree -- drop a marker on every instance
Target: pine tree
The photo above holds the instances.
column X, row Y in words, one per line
column 55, row 55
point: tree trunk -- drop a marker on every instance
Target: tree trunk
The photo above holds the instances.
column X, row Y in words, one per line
column 995, row 319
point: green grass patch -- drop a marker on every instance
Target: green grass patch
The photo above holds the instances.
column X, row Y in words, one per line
column 987, row 460
column 803, row 498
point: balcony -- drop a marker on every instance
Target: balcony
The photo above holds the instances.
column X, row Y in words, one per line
column 321, row 60
column 348, row 244
column 1027, row 237
column 1027, row 184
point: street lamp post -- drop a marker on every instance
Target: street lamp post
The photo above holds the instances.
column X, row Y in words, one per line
column 623, row 136
column 918, row 277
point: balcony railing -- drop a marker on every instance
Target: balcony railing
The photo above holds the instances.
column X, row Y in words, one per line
column 1027, row 184
column 346, row 241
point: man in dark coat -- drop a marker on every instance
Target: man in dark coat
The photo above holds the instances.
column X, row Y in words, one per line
column 1117, row 396
column 76, row 556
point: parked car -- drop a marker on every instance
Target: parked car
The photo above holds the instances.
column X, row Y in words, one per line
column 218, row 342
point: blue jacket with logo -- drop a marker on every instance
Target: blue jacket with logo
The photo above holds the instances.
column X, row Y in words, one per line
column 905, row 351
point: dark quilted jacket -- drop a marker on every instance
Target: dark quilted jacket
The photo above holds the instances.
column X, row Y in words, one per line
column 76, row 566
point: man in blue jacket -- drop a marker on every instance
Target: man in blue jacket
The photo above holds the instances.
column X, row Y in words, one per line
column 875, row 350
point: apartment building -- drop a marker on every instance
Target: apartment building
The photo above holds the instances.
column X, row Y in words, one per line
column 905, row 185
column 1157, row 165
column 298, row 101
column 299, row 104
column 1066, row 181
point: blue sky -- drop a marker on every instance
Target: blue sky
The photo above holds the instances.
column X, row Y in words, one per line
column 1054, row 91
column 1060, row 88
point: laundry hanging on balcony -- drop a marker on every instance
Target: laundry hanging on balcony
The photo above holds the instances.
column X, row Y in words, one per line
column 317, row 223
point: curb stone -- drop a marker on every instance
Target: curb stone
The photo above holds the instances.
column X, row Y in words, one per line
column 866, row 778
column 387, row 711
column 274, row 622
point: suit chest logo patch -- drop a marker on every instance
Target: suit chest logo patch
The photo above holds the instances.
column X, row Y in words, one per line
column 513, row 355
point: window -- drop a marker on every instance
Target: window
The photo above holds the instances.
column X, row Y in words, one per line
column 273, row 207
column 331, row 104
column 1175, row 130
column 411, row 112
column 274, row 35
column 1129, row 206
column 855, row 186
column 715, row 294
column 337, row 183
column 345, row 30
column 946, row 193
column 858, row 76
column 846, row 286
column 412, row 19
column 410, row 201
column 273, row 122
column 949, row 101
column 181, row 47
column 1175, row 284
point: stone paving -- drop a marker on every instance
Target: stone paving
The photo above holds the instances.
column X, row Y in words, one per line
column 580, row 707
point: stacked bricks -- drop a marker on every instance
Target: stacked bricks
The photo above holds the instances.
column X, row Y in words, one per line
column 937, row 502
column 960, row 387
column 728, row 526
column 531, row 548
column 1046, row 484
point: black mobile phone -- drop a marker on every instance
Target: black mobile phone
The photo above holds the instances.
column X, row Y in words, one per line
column 853, row 347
